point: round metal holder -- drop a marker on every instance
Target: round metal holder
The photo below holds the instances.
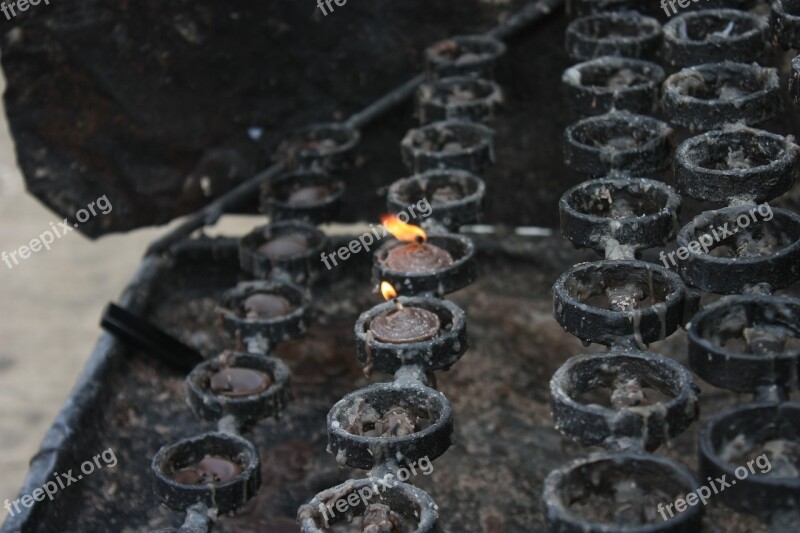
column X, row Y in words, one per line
column 437, row 353
column 749, row 253
column 282, row 328
column 740, row 163
column 301, row 267
column 605, row 300
column 708, row 96
column 474, row 55
column 414, row 505
column 328, row 146
column 225, row 496
column 445, row 280
column 458, row 98
column 598, row 483
column 785, row 24
column 714, row 35
column 635, row 144
column 620, row 417
column 625, row 34
column 276, row 197
column 597, row 86
column 362, row 452
column 245, row 409
column 455, row 196
column 635, row 212
column 727, row 443
column 448, row 144
column 739, row 343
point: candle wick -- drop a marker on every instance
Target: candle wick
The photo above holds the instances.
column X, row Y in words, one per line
column 397, row 304
column 420, row 239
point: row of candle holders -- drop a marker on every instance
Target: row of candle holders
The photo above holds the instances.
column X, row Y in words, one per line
column 388, row 425
column 625, row 303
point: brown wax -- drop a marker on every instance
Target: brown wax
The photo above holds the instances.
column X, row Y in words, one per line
column 210, row 469
column 402, row 326
column 310, row 195
column 284, row 246
column 262, row 306
column 421, row 257
column 235, row 382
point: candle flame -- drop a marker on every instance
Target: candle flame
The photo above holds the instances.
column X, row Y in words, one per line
column 388, row 291
column 402, row 231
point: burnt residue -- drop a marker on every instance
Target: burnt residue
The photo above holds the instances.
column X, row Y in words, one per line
column 618, row 141
column 752, row 250
column 709, row 96
column 597, row 86
column 458, row 98
column 610, row 213
column 448, row 144
column 714, row 35
column 737, row 163
column 626, row 34
column 473, row 55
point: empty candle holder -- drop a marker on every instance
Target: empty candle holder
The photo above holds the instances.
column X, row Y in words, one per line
column 740, row 163
column 748, row 248
column 747, row 343
column 309, row 195
column 218, row 470
column 328, row 147
column 248, row 387
column 624, row 34
column 455, row 196
column 403, row 506
column 448, row 144
column 636, row 213
column 292, row 247
column 620, row 398
column 709, row 96
column 402, row 421
column 465, row 55
column 274, row 310
column 619, row 492
column 599, row 85
column 458, row 98
column 440, row 265
column 618, row 141
column 734, row 443
column 386, row 340
column 714, row 35
column 607, row 300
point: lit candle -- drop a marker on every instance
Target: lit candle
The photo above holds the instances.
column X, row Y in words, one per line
column 235, row 382
column 210, row 469
column 417, row 256
column 403, row 325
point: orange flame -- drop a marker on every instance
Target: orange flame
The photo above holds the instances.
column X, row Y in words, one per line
column 402, row 231
column 388, row 291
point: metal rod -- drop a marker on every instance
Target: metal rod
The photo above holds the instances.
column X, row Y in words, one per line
column 209, row 214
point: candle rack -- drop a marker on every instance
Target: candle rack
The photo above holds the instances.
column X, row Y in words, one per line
column 397, row 408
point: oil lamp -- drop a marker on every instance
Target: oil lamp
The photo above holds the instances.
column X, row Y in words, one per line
column 403, row 325
column 416, row 256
